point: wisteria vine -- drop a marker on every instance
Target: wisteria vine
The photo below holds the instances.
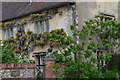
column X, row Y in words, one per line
column 25, row 42
column 32, row 18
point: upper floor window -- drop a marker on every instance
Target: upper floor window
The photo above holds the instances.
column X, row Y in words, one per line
column 7, row 33
column 42, row 26
column 108, row 17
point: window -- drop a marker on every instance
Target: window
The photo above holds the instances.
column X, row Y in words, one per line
column 5, row 35
column 105, row 20
column 42, row 26
column 8, row 33
column 109, row 17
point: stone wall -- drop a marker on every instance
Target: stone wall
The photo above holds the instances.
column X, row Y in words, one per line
column 8, row 71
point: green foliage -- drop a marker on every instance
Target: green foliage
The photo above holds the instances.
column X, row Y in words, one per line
column 59, row 57
column 80, row 60
column 25, row 42
column 56, row 66
column 110, row 74
column 87, row 58
column 9, row 57
column 32, row 18
column 72, row 27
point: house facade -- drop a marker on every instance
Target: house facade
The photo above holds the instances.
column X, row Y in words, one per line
column 62, row 20
column 68, row 13
column 87, row 10
column 60, row 15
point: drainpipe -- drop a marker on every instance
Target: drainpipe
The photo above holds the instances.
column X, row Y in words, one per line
column 75, row 22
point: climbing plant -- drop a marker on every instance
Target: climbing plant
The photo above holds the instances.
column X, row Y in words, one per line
column 25, row 42
column 84, row 57
column 8, row 57
column 30, row 19
column 89, row 55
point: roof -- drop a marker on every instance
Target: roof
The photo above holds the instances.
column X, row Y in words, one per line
column 12, row 10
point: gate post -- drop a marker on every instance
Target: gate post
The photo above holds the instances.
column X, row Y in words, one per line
column 49, row 63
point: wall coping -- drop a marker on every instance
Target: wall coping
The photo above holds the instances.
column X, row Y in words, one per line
column 17, row 66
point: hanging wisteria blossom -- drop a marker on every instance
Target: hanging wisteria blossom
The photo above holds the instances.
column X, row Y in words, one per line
column 20, row 29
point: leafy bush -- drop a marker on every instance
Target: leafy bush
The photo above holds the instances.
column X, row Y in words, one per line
column 9, row 57
column 89, row 55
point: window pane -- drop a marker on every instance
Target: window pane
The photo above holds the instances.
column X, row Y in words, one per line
column 8, row 32
column 47, row 26
column 14, row 32
column 11, row 35
column 42, row 26
column 5, row 32
column 38, row 27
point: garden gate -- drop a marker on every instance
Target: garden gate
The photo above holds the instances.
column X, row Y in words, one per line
column 40, row 67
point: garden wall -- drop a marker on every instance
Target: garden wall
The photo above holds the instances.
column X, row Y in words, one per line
column 17, row 71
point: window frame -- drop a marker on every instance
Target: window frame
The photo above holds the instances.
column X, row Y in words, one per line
column 43, row 26
column 109, row 16
column 7, row 33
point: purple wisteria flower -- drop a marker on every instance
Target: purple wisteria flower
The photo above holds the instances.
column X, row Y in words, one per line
column 20, row 29
column 10, row 25
column 50, row 16
column 23, row 39
column 30, row 48
column 27, row 21
column 15, row 24
column 17, row 47
column 19, row 35
column 59, row 13
column 29, row 39
column 59, row 44
column 14, row 47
